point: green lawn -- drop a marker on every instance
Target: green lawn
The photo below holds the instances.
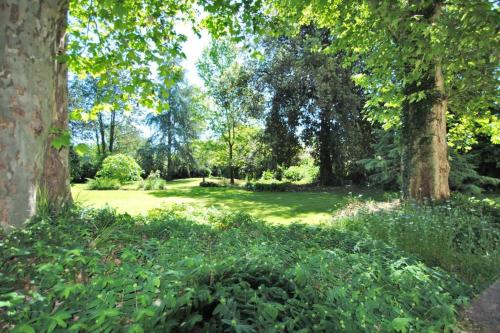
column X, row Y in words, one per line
column 276, row 207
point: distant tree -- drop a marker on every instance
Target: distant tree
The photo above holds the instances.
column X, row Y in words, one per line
column 235, row 103
column 178, row 124
column 98, row 113
column 310, row 91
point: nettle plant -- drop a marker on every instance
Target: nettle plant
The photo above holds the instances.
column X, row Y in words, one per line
column 120, row 167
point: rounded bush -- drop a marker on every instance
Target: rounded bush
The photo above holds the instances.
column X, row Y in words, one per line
column 120, row 167
column 294, row 173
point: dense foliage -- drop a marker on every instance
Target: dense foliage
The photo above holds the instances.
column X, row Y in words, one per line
column 99, row 271
column 311, row 101
column 120, row 167
column 153, row 182
column 461, row 235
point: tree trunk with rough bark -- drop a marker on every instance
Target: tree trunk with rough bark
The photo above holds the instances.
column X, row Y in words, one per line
column 425, row 151
column 33, row 108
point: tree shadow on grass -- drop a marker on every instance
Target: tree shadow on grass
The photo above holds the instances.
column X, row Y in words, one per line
column 284, row 205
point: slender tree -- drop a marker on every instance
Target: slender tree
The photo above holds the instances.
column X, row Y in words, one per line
column 235, row 101
column 178, row 124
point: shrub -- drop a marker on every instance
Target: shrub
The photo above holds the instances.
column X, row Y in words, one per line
column 204, row 172
column 83, row 167
column 464, row 177
column 98, row 271
column 103, row 183
column 273, row 186
column 267, row 175
column 293, row 173
column 209, row 184
column 120, row 167
column 153, row 182
column 305, row 173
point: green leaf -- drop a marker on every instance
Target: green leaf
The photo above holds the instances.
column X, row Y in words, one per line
column 136, row 328
column 82, row 149
column 62, row 140
column 5, row 304
column 23, row 328
column 400, row 324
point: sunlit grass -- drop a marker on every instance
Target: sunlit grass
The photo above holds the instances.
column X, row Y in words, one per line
column 276, row 207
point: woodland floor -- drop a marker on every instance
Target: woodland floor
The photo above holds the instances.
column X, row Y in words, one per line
column 276, row 207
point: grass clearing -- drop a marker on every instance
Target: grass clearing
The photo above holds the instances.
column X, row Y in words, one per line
column 274, row 207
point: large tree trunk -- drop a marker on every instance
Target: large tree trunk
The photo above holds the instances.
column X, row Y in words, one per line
column 33, row 103
column 425, row 151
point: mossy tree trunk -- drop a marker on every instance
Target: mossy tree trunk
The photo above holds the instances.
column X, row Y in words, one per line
column 425, row 150
column 33, row 102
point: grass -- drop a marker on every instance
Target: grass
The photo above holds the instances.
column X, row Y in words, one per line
column 282, row 207
column 192, row 269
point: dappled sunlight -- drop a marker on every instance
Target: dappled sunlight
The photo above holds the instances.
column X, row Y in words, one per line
column 282, row 207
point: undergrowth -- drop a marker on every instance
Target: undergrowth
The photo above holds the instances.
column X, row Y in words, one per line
column 102, row 183
column 97, row 271
column 153, row 182
column 460, row 235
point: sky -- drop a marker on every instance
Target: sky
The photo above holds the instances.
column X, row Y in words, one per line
column 193, row 48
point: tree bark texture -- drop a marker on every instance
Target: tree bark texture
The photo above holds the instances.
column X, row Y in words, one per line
column 425, row 151
column 33, row 107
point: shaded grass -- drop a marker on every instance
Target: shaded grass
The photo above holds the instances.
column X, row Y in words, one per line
column 283, row 207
